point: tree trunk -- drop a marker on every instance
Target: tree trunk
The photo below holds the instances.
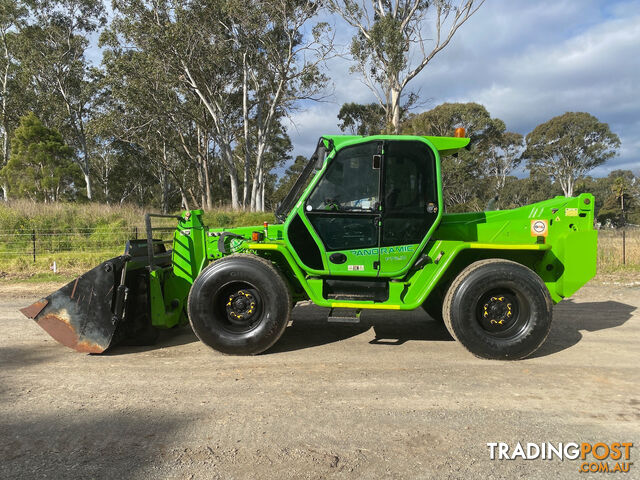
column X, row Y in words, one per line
column 85, row 169
column 5, row 129
column 107, row 175
column 233, row 178
column 201, row 165
column 570, row 183
column 164, row 180
column 247, row 140
column 5, row 152
column 225, row 149
column 185, row 201
column 395, row 109
column 207, row 183
column 227, row 155
column 205, row 170
column 88, row 182
column 262, row 198
column 258, row 175
column 201, row 180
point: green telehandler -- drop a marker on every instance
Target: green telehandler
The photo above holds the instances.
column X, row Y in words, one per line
column 362, row 228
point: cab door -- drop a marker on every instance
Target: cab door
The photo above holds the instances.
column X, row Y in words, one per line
column 344, row 210
column 410, row 204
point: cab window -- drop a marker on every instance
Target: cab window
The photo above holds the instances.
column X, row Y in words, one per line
column 350, row 183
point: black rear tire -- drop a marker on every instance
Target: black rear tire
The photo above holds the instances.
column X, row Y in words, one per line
column 498, row 309
column 239, row 305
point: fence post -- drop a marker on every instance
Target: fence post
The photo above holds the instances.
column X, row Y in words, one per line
column 136, row 232
column 624, row 247
column 33, row 241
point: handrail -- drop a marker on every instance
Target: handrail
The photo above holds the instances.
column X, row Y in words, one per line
column 150, row 229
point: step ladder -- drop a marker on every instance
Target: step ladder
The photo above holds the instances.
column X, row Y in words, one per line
column 344, row 315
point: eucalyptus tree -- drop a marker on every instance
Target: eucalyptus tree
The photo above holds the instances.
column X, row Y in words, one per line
column 190, row 43
column 361, row 119
column 280, row 63
column 503, row 155
column 60, row 75
column 490, row 154
column 141, row 106
column 569, row 146
column 275, row 155
column 13, row 16
column 395, row 40
column 247, row 64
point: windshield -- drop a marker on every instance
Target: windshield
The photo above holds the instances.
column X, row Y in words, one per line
column 351, row 182
column 315, row 163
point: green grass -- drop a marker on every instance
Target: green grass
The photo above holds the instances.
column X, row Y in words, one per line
column 40, row 278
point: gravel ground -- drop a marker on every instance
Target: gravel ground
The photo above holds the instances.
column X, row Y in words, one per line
column 393, row 397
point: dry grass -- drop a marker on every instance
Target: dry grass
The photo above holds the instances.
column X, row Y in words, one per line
column 79, row 236
column 21, row 215
column 610, row 257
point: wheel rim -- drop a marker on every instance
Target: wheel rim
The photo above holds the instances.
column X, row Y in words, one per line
column 502, row 313
column 239, row 307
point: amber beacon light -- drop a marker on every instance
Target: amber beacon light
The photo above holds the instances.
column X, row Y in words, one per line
column 460, row 132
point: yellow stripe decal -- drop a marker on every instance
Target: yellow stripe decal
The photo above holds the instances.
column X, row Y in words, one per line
column 377, row 306
column 495, row 246
column 262, row 246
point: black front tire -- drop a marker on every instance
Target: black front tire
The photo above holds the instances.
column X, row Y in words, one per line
column 498, row 309
column 239, row 305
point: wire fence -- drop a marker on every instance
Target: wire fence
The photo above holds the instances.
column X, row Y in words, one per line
column 33, row 243
column 618, row 247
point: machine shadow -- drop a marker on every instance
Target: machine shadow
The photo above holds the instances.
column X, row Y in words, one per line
column 400, row 327
column 570, row 318
column 310, row 329
column 167, row 338
column 22, row 356
column 90, row 445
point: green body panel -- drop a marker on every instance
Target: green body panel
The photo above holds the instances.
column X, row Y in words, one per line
column 448, row 145
column 168, row 295
column 564, row 256
column 443, row 145
column 169, row 286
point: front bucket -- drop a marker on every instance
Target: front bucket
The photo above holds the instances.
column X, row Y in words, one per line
column 85, row 313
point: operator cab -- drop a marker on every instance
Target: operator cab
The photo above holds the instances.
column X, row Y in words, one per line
column 370, row 209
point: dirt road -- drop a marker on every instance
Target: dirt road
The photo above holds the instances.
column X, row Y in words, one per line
column 326, row 402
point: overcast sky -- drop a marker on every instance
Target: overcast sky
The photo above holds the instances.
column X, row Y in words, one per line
column 526, row 61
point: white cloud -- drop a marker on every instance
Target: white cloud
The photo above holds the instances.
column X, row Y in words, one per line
column 526, row 62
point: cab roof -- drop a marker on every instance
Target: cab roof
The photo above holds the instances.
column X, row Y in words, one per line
column 444, row 145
